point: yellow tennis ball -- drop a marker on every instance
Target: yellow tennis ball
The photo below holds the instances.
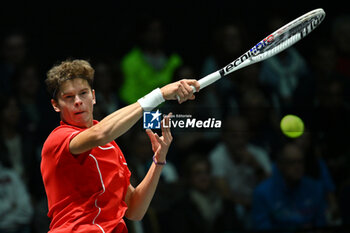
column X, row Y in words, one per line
column 292, row 126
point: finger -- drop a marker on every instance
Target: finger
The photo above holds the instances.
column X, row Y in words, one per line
column 167, row 136
column 153, row 140
column 187, row 87
column 166, row 130
column 184, row 90
column 190, row 90
column 165, row 121
column 151, row 136
column 180, row 93
column 159, row 140
column 193, row 82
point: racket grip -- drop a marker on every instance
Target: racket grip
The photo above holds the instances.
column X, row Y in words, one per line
column 205, row 81
column 194, row 90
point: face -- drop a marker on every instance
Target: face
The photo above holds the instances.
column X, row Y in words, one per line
column 11, row 113
column 200, row 176
column 292, row 163
column 75, row 101
column 236, row 134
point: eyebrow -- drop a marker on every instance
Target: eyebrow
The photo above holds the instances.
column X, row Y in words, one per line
column 70, row 93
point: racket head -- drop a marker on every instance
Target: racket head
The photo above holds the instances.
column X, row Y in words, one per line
column 273, row 44
column 287, row 35
column 278, row 41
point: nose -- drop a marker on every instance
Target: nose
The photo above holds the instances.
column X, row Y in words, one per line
column 77, row 101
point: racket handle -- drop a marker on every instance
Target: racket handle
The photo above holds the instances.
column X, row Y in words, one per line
column 205, row 81
column 209, row 79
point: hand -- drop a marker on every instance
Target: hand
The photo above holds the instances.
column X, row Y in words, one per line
column 160, row 145
column 180, row 88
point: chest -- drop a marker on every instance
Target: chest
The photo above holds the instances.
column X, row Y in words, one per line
column 297, row 207
column 103, row 169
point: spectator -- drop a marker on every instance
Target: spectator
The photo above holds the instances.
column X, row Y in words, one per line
column 317, row 168
column 341, row 38
column 12, row 137
column 323, row 69
column 16, row 210
column 262, row 119
column 282, row 73
column 35, row 119
column 345, row 203
column 34, row 115
column 330, row 120
column 289, row 199
column 106, row 82
column 238, row 166
column 13, row 54
column 147, row 66
column 200, row 208
column 139, row 163
column 228, row 44
column 203, row 108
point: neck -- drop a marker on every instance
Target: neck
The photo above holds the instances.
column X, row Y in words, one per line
column 83, row 126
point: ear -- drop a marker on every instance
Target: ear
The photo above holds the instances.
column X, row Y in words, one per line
column 93, row 96
column 55, row 105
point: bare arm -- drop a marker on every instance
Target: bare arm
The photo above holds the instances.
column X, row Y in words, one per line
column 108, row 129
column 117, row 123
column 138, row 199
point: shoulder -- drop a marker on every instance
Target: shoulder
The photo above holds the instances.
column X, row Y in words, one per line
column 175, row 59
column 312, row 185
column 62, row 130
column 219, row 154
column 219, row 150
column 59, row 135
column 265, row 188
column 132, row 56
column 8, row 176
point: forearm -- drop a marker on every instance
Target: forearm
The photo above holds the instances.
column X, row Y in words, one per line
column 139, row 199
column 117, row 123
column 108, row 129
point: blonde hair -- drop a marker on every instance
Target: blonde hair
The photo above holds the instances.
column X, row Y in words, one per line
column 68, row 70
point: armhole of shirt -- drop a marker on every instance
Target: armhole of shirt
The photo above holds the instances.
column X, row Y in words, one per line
column 80, row 157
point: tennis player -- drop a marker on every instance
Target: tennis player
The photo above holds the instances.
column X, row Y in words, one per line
column 85, row 173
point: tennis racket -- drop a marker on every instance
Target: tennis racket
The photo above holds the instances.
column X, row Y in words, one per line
column 273, row 44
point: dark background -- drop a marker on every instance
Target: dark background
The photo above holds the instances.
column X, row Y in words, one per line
column 107, row 30
column 60, row 29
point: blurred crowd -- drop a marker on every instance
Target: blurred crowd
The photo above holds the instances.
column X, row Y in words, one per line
column 245, row 177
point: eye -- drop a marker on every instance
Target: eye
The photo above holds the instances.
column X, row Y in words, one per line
column 68, row 96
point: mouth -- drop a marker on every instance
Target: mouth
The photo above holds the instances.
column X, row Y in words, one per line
column 78, row 113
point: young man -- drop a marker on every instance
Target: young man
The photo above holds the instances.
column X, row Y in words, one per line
column 289, row 200
column 84, row 172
